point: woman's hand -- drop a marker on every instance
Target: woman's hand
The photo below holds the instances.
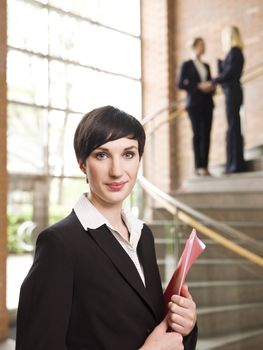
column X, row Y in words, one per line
column 160, row 339
column 181, row 315
column 206, row 86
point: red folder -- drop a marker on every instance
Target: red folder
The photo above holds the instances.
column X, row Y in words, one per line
column 193, row 248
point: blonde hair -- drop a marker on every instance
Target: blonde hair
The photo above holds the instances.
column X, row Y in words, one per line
column 231, row 37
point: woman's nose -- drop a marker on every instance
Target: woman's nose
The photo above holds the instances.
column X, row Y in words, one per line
column 116, row 168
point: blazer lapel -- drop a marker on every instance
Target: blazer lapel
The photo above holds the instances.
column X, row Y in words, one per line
column 146, row 253
column 121, row 261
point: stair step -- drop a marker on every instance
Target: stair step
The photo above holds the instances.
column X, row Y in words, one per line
column 216, row 293
column 233, row 214
column 162, row 214
column 242, row 182
column 251, row 340
column 255, row 164
column 162, row 228
column 252, row 229
column 166, row 229
column 217, row 269
column 215, row 250
column 221, row 269
column 228, row 319
column 242, row 199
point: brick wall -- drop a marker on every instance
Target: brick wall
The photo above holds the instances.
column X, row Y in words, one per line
column 167, row 30
column 155, row 78
column 207, row 18
column 3, row 174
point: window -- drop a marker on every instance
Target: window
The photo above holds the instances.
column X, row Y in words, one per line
column 64, row 59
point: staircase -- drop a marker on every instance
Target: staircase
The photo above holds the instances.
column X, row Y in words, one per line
column 228, row 289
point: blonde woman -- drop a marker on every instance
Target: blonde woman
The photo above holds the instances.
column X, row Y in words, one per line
column 230, row 71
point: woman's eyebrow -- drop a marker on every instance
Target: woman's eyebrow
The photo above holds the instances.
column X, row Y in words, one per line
column 131, row 147
column 107, row 149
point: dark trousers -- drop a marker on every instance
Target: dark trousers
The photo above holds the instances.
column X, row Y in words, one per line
column 234, row 139
column 201, row 120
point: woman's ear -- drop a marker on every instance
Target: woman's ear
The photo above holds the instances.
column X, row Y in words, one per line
column 83, row 169
column 82, row 166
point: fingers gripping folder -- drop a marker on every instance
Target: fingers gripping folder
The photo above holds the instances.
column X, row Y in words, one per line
column 193, row 248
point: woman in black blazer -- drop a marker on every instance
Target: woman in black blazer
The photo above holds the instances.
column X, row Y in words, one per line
column 199, row 103
column 230, row 71
column 94, row 283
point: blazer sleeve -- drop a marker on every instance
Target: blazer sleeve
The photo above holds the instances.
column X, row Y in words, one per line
column 219, row 65
column 229, row 67
column 185, row 81
column 45, row 297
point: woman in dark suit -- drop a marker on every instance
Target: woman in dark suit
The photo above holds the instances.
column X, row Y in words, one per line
column 230, row 71
column 94, row 283
column 199, row 103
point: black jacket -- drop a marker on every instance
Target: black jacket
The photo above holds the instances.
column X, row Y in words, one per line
column 188, row 80
column 83, row 292
column 230, row 69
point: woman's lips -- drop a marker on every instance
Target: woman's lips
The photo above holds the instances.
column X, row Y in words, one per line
column 116, row 186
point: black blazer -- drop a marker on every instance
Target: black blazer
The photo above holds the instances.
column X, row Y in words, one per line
column 230, row 69
column 83, row 292
column 188, row 80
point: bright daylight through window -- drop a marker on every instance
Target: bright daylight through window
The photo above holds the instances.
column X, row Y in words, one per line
column 64, row 59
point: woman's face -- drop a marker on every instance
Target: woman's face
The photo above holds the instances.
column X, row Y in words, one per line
column 112, row 171
column 200, row 48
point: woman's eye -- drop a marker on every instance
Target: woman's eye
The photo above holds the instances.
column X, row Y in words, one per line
column 101, row 155
column 129, row 155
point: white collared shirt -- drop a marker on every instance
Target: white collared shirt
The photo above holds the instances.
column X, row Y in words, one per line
column 201, row 69
column 90, row 217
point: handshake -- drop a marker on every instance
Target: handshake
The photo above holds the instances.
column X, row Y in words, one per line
column 206, row 86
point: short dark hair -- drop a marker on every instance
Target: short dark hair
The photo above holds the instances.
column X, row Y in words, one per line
column 105, row 124
column 196, row 41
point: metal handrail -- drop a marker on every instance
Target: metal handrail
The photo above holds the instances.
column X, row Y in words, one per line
column 176, row 113
column 172, row 106
column 253, row 74
column 200, row 221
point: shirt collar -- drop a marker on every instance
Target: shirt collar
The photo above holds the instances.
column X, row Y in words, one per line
column 90, row 217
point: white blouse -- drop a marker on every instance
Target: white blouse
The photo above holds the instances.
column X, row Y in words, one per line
column 201, row 69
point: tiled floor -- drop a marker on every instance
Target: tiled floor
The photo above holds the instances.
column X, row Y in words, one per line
column 8, row 344
column 17, row 269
